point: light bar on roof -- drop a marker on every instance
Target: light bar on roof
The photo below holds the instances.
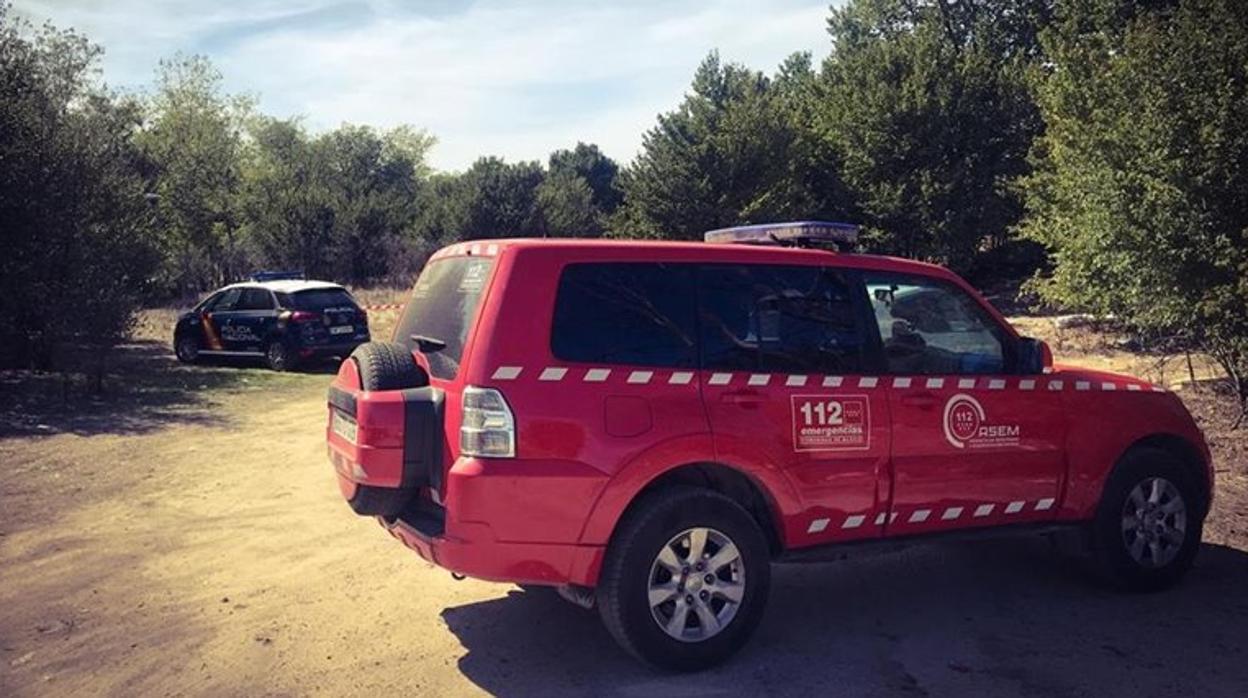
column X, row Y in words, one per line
column 794, row 233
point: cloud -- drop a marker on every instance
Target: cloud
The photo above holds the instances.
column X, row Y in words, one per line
column 516, row 79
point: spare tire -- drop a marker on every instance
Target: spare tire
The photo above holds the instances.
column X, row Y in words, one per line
column 388, row 366
column 385, row 366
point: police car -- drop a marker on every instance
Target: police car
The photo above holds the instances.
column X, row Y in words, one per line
column 281, row 319
column 647, row 426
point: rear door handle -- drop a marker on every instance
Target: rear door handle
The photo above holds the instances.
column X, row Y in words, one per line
column 924, row 400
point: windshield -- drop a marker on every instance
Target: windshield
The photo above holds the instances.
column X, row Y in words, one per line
column 443, row 306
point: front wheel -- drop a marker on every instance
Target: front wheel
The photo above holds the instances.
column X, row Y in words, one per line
column 186, row 348
column 1148, row 526
column 685, row 580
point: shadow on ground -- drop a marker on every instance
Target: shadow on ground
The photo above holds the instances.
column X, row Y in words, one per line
column 993, row 618
column 145, row 388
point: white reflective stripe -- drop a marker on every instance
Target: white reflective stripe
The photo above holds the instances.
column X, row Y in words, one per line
column 640, row 377
column 1082, row 385
column 935, row 383
column 759, row 379
column 1014, row 507
column 951, row 513
column 491, row 250
column 506, row 373
column 880, row 517
column 597, row 375
column 996, row 384
column 868, row 382
column 901, row 382
column 817, row 525
column 1045, row 504
column 1028, row 384
column 1055, row 385
column 719, row 379
column 553, row 373
column 966, row 383
column 892, row 517
column 983, row 510
column 795, row 381
column 1158, row 389
column 1108, row 386
column 681, row 378
column 920, row 515
column 854, row 521
column 832, row 381
column 1133, row 387
column 476, row 249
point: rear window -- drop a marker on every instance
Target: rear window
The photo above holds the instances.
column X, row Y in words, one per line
column 320, row 299
column 443, row 307
column 626, row 313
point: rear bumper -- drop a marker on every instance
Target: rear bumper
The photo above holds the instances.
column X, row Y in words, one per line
column 475, row 553
column 503, row 520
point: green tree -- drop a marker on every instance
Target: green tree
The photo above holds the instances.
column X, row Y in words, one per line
column 492, row 199
column 565, row 206
column 735, row 151
column 195, row 142
column 1140, row 183
column 76, row 232
column 927, row 103
column 599, row 172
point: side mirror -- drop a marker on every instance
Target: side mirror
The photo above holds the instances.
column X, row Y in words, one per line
column 1034, row 356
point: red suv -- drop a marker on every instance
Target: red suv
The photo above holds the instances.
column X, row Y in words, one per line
column 649, row 425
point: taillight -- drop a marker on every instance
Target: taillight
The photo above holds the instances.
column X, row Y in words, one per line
column 304, row 316
column 488, row 428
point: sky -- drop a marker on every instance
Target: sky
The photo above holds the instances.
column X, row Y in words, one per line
column 513, row 78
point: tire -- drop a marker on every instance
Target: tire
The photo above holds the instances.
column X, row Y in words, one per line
column 278, row 356
column 658, row 526
column 186, row 348
column 388, row 366
column 1148, row 525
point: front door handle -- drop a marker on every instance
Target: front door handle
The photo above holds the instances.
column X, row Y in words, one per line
column 923, row 401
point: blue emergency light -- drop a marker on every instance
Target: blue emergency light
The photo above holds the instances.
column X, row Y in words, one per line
column 796, row 234
column 262, row 276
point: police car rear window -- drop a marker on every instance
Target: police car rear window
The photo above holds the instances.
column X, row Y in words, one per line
column 321, row 298
column 444, row 307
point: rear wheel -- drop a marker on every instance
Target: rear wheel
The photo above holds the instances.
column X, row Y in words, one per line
column 1148, row 526
column 685, row 580
column 186, row 348
column 278, row 356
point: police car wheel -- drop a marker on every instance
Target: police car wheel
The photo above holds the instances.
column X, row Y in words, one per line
column 279, row 357
column 1148, row 526
column 685, row 580
column 186, row 348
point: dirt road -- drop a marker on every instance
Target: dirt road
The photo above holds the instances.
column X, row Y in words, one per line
column 202, row 549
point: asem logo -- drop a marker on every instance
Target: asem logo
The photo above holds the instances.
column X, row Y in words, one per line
column 965, row 425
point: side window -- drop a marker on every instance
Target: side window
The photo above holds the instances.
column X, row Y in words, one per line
column 255, row 299
column 226, row 301
column 779, row 319
column 626, row 313
column 930, row 327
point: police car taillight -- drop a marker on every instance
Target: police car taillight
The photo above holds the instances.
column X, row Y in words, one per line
column 487, row 428
column 303, row 316
column 795, row 234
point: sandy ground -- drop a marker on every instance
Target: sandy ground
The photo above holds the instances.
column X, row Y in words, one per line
column 192, row 542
